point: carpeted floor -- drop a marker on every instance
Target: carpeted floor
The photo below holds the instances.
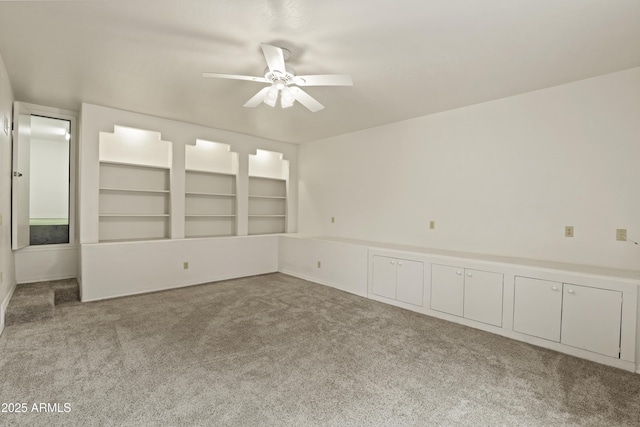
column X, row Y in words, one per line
column 276, row 350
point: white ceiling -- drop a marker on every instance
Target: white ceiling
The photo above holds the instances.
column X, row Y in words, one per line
column 407, row 58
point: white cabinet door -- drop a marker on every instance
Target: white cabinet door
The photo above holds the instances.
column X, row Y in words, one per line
column 384, row 276
column 537, row 308
column 447, row 289
column 410, row 281
column 591, row 319
column 483, row 296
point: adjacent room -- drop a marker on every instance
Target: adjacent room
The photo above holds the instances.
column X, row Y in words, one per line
column 320, row 213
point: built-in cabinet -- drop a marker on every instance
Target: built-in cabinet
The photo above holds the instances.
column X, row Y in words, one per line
column 267, row 205
column 210, row 204
column 584, row 314
column 580, row 316
column 141, row 192
column 134, row 202
column 398, row 279
column 469, row 293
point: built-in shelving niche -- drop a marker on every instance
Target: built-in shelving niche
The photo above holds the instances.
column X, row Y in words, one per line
column 268, row 183
column 134, row 200
column 210, row 190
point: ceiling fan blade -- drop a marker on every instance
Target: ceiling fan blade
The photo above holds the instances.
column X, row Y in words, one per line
column 258, row 98
column 324, row 80
column 236, row 77
column 274, row 57
column 307, row 100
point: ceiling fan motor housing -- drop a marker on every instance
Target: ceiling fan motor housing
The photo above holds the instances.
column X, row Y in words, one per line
column 285, row 76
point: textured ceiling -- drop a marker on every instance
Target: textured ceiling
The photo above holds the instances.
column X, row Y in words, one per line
column 407, row 58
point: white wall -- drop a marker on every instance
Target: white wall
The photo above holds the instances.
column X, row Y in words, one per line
column 46, row 262
column 336, row 264
column 49, row 180
column 502, row 177
column 6, row 255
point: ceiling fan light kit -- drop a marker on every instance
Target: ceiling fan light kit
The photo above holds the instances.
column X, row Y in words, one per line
column 284, row 82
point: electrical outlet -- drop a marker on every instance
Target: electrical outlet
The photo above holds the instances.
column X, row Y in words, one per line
column 621, row 234
column 185, row 265
column 568, row 231
column 319, row 264
column 432, row 225
column 0, row 219
column 333, row 219
column 1, row 279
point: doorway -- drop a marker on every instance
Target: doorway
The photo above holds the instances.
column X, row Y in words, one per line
column 43, row 196
column 49, row 181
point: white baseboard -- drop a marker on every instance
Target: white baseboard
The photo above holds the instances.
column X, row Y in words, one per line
column 3, row 307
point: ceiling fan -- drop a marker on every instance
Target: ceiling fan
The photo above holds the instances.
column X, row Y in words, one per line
column 284, row 82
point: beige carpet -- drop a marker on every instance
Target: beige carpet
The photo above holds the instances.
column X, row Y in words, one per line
column 276, row 350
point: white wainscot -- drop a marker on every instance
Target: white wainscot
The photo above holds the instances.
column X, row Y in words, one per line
column 116, row 269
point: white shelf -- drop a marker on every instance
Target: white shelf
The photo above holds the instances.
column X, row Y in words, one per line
column 125, row 215
column 132, row 240
column 267, row 177
column 253, row 196
column 209, row 172
column 267, row 216
column 197, row 193
column 209, row 216
column 133, row 165
column 133, row 190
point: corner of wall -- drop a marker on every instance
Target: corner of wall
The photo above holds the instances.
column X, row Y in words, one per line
column 7, row 267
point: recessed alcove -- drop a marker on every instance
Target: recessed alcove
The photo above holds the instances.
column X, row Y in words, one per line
column 268, row 183
column 134, row 185
column 211, row 170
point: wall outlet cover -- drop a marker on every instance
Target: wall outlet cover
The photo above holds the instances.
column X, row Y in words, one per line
column 568, row 231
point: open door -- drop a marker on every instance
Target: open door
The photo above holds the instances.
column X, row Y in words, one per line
column 20, row 177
